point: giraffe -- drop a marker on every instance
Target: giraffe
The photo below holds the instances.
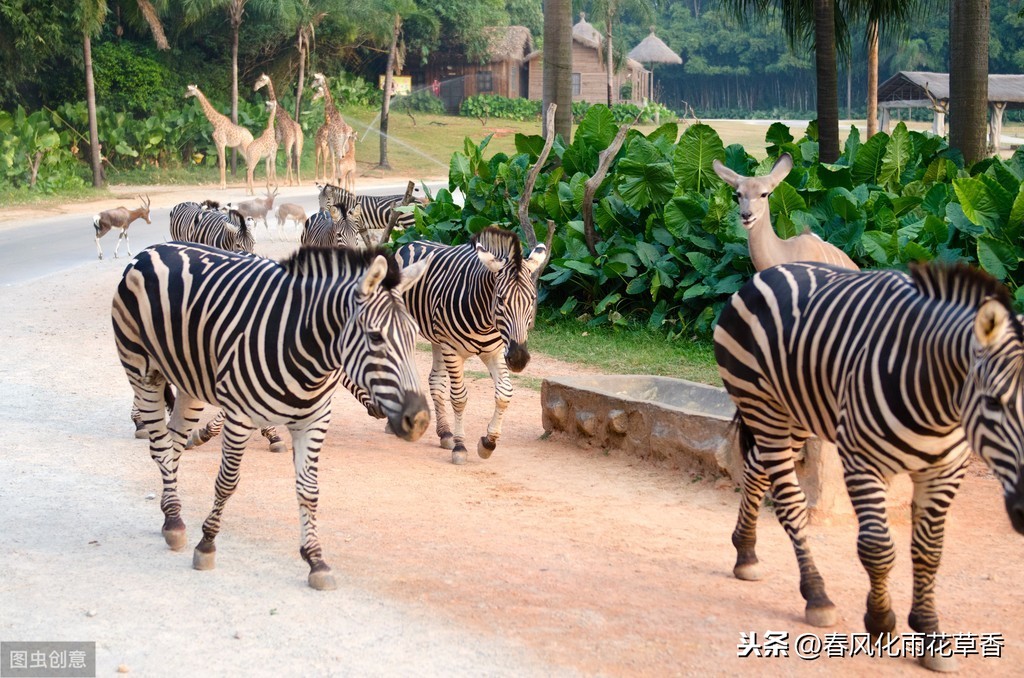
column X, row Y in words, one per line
column 288, row 132
column 347, row 166
column 323, row 152
column 265, row 146
column 226, row 134
column 339, row 130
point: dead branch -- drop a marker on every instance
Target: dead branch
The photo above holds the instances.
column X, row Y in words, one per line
column 591, row 185
column 393, row 219
column 936, row 106
column 531, row 179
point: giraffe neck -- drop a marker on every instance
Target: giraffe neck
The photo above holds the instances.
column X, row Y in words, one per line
column 212, row 114
column 270, row 90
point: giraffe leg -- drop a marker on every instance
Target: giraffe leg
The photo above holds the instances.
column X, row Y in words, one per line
column 307, row 443
column 438, row 382
column 502, row 397
column 237, row 429
column 932, row 497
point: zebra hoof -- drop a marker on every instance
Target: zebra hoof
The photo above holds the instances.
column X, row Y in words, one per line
column 388, row 430
column 322, row 580
column 280, row 447
column 485, row 447
column 748, row 572
column 459, row 456
column 821, row 616
column 938, row 663
column 174, row 533
column 141, row 433
column 203, row 561
column 447, row 441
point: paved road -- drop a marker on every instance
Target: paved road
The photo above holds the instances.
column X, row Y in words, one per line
column 44, row 246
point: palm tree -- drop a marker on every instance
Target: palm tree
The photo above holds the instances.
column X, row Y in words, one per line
column 896, row 16
column 558, row 63
column 611, row 11
column 968, row 77
column 90, row 15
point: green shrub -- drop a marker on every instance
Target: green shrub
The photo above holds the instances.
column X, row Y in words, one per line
column 129, row 79
column 494, row 106
column 421, row 101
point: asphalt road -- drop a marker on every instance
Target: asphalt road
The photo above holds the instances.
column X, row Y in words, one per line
column 44, row 246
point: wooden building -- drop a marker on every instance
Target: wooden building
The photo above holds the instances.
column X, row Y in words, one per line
column 504, row 74
column 589, row 79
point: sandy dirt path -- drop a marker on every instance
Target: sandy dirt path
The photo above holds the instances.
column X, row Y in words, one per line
column 544, row 560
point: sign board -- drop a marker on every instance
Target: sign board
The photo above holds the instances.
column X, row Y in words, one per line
column 402, row 84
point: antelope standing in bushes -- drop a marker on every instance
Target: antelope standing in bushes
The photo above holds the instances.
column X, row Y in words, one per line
column 767, row 249
column 121, row 218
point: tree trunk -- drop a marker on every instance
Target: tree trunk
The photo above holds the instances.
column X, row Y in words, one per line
column 149, row 13
column 828, row 80
column 872, row 78
column 608, row 54
column 385, row 107
column 968, row 77
column 90, row 98
column 234, row 91
column 302, row 74
column 558, row 63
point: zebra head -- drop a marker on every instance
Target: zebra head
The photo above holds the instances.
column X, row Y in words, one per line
column 993, row 400
column 346, row 224
column 514, row 304
column 380, row 341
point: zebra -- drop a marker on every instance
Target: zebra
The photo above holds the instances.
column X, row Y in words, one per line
column 475, row 299
column 906, row 374
column 228, row 231
column 333, row 226
column 184, row 216
column 268, row 342
column 376, row 209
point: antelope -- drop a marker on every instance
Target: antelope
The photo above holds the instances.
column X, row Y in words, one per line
column 286, row 211
column 257, row 208
column 767, row 249
column 122, row 218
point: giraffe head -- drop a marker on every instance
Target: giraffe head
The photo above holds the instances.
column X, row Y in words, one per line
column 261, row 82
column 191, row 91
column 319, row 80
column 319, row 94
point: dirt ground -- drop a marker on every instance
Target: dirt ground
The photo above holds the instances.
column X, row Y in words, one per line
column 546, row 559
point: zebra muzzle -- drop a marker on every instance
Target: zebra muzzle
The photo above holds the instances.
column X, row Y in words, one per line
column 517, row 357
column 411, row 423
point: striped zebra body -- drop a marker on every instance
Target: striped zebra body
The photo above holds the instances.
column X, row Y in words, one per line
column 906, row 374
column 184, row 216
column 268, row 343
column 376, row 209
column 332, row 227
column 475, row 299
column 231, row 231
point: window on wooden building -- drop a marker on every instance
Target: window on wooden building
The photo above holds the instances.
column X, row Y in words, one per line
column 484, row 81
column 576, row 84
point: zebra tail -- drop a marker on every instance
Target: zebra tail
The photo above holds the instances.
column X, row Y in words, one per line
column 744, row 433
column 169, row 396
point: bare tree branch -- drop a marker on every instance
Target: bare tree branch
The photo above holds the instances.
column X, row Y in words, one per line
column 393, row 219
column 591, row 185
column 531, row 179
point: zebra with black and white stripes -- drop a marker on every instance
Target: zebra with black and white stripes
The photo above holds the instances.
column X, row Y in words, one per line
column 475, row 299
column 268, row 343
column 333, row 226
column 184, row 215
column 228, row 231
column 376, row 209
column 906, row 374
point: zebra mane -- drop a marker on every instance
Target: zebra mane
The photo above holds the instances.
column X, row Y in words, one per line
column 235, row 218
column 501, row 243
column 958, row 283
column 334, row 261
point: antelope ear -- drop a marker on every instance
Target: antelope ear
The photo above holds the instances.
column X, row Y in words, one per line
column 782, row 168
column 536, row 258
column 374, row 275
column 726, row 174
column 489, row 260
column 413, row 272
column 991, row 322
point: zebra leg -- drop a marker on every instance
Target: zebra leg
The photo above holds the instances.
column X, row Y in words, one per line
column 458, row 395
column 203, row 434
column 277, row 445
column 744, row 536
column 932, row 498
column 438, row 382
column 140, row 428
column 875, row 546
column 502, row 397
column 237, row 430
column 307, row 443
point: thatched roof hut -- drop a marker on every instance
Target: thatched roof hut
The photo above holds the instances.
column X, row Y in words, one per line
column 653, row 50
column 508, row 43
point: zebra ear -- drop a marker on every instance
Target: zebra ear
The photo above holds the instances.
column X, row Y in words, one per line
column 991, row 322
column 489, row 260
column 412, row 273
column 374, row 275
column 536, row 258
